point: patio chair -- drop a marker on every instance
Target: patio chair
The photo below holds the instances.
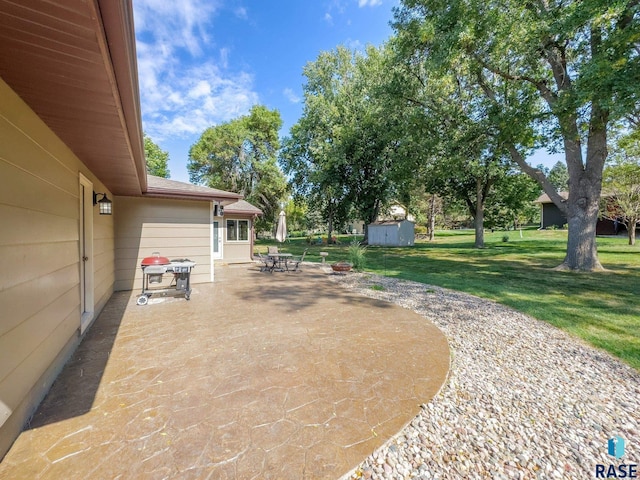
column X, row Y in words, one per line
column 267, row 263
column 271, row 250
column 296, row 261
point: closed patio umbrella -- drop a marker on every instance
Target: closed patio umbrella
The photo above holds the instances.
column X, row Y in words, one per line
column 281, row 230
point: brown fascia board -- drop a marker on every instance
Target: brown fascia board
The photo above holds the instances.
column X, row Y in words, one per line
column 249, row 213
column 224, row 199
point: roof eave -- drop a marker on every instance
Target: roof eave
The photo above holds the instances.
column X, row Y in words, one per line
column 223, row 199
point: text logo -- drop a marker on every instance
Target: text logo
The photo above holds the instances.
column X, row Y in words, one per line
column 616, row 446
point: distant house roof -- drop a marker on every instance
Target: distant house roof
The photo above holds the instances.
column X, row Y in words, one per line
column 165, row 188
column 242, row 207
column 544, row 198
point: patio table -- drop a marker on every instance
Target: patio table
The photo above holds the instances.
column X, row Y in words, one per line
column 280, row 261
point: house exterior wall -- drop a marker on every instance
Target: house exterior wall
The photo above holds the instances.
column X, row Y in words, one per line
column 39, row 247
column 174, row 228
column 237, row 251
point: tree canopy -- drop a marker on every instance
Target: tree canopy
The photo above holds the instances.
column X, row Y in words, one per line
column 241, row 156
column 559, row 177
column 343, row 152
column 157, row 159
column 555, row 74
column 621, row 185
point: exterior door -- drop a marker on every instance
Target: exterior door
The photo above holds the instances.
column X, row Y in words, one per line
column 86, row 252
column 217, row 240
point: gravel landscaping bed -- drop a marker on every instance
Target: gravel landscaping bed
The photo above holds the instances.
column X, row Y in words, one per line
column 523, row 398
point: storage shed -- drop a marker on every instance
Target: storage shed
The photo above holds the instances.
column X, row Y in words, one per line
column 394, row 233
column 550, row 214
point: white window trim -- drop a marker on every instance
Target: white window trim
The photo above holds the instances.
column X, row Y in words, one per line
column 237, row 220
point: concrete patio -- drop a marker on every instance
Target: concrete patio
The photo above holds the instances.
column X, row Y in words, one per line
column 259, row 375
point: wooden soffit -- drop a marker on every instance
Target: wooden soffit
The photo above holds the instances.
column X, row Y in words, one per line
column 74, row 63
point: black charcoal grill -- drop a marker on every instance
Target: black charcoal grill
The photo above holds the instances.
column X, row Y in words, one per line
column 153, row 270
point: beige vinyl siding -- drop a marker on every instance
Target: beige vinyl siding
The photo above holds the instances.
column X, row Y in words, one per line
column 39, row 248
column 174, row 228
column 236, row 251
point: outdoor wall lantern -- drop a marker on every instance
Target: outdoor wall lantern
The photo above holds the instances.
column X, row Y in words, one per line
column 104, row 203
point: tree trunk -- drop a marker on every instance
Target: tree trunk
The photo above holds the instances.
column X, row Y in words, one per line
column 581, row 208
column 585, row 186
column 432, row 218
column 369, row 219
column 479, row 217
column 631, row 230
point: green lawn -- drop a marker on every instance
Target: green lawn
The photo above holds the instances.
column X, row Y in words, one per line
column 602, row 308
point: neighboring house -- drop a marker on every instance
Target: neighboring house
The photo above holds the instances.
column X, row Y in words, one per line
column 552, row 217
column 394, row 233
column 394, row 212
column 70, row 128
column 550, row 214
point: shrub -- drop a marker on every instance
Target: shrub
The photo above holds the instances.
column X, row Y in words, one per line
column 505, row 238
column 357, row 255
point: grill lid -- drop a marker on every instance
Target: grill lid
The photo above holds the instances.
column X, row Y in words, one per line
column 154, row 259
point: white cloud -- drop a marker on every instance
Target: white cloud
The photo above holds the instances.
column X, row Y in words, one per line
column 224, row 57
column 291, row 96
column 183, row 88
column 328, row 18
column 183, row 24
column 369, row 3
column 241, row 12
column 201, row 89
column 180, row 106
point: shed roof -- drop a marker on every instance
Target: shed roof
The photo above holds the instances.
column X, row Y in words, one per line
column 544, row 198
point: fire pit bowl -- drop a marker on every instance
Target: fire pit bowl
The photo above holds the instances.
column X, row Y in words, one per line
column 341, row 267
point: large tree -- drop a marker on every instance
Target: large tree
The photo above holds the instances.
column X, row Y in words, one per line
column 578, row 58
column 344, row 149
column 157, row 159
column 461, row 154
column 512, row 204
column 241, row 156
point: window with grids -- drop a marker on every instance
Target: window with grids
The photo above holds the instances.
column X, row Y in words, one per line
column 237, row 230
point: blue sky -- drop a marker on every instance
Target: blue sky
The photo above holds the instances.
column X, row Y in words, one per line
column 205, row 62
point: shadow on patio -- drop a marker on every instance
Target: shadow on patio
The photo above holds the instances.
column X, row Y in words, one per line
column 282, row 375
